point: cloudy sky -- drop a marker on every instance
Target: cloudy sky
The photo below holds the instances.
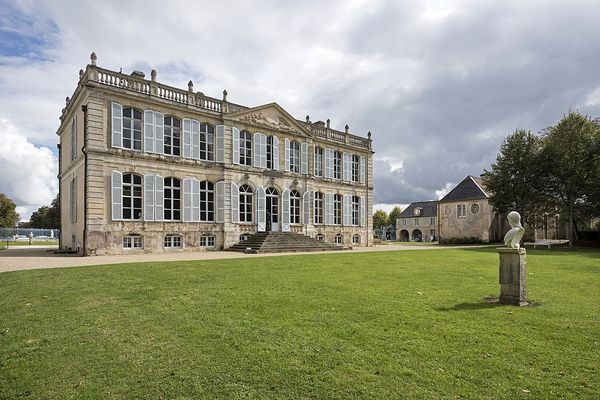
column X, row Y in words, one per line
column 439, row 83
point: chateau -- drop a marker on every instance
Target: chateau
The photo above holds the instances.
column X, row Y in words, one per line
column 148, row 167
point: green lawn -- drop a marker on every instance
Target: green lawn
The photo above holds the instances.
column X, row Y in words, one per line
column 389, row 325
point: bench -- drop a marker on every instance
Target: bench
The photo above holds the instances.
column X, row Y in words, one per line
column 549, row 242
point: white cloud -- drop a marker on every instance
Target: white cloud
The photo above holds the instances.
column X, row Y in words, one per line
column 28, row 174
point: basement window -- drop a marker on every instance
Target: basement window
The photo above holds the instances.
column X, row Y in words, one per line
column 339, row 239
column 172, row 242
column 207, row 241
column 132, row 242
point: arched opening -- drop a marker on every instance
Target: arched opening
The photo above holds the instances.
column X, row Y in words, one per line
column 404, row 236
column 417, row 236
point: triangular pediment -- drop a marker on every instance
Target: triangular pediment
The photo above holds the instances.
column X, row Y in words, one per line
column 271, row 116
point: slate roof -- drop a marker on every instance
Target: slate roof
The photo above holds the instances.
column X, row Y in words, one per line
column 470, row 188
column 429, row 209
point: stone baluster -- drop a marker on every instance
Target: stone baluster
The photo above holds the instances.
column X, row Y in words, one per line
column 153, row 86
column 191, row 100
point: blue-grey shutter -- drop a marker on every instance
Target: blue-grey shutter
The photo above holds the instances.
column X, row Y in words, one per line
column 328, row 208
column 220, row 144
column 263, row 150
column 235, row 144
column 117, row 125
column 159, row 198
column 117, row 195
column 347, row 161
column 261, row 217
column 287, row 154
column 363, row 171
column 275, row 153
column 362, row 211
column 285, row 210
column 187, row 200
column 195, row 139
column 304, row 158
column 187, row 138
column 257, row 150
column 220, row 197
column 235, row 203
column 149, row 197
column 306, row 200
column 347, row 218
column 149, row 131
column 328, row 163
column 195, row 200
column 159, row 133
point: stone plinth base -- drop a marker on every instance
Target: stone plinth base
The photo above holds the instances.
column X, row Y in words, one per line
column 513, row 276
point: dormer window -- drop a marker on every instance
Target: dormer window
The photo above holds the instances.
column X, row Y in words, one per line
column 418, row 211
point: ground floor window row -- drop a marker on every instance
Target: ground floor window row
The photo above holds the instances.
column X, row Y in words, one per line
column 156, row 198
column 170, row 241
column 339, row 238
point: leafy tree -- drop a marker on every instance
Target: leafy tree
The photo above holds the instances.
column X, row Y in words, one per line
column 515, row 179
column 570, row 164
column 380, row 219
column 47, row 217
column 394, row 215
column 8, row 213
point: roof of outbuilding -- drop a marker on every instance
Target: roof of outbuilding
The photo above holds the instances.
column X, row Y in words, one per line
column 429, row 209
column 470, row 188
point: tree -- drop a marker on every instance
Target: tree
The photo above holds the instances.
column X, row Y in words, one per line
column 380, row 220
column 516, row 178
column 570, row 164
column 47, row 217
column 393, row 217
column 8, row 212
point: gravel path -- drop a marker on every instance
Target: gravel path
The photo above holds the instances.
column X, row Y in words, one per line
column 37, row 257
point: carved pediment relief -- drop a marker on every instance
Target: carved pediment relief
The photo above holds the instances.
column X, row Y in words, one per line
column 273, row 117
column 279, row 123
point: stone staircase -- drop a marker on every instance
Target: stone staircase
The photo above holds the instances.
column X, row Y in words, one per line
column 282, row 242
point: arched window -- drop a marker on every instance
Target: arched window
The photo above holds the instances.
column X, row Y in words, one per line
column 172, row 199
column 172, row 136
column 356, row 239
column 294, row 207
column 320, row 237
column 132, row 128
column 339, row 239
column 337, row 165
column 355, row 210
column 294, row 157
column 337, row 209
column 132, row 196
column 245, row 148
column 244, row 237
column 207, row 201
column 245, row 203
column 319, row 202
column 207, row 142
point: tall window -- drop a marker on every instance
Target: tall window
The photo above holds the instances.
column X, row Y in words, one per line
column 355, row 168
column 73, row 203
column 245, row 203
column 294, row 207
column 355, row 210
column 432, row 221
column 172, row 136
column 319, row 196
column 132, row 128
column 207, row 201
column 294, row 157
column 132, row 196
column 318, row 161
column 337, row 165
column 461, row 210
column 245, row 148
column 416, row 221
column 172, row 203
column 270, row 152
column 74, row 138
column 207, row 142
column 337, row 209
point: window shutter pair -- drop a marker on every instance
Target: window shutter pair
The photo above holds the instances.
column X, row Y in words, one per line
column 287, row 155
column 347, row 210
column 191, row 139
column 306, row 200
column 153, row 197
column 347, row 166
column 285, row 210
column 261, row 214
column 328, row 208
column 235, row 134
column 220, row 145
column 304, row 158
column 362, row 211
column 153, row 132
column 191, row 200
column 235, row 203
column 363, row 170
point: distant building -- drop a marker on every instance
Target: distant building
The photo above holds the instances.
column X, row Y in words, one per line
column 418, row 222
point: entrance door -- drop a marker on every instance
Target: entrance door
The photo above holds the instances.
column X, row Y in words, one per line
column 272, row 209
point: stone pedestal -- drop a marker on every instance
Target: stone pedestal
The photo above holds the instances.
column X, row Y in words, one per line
column 513, row 276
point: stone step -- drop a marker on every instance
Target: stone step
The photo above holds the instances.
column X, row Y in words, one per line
column 277, row 242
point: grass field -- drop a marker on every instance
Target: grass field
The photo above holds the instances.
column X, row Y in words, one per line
column 389, row 325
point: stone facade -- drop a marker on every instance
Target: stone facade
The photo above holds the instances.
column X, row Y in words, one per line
column 114, row 129
column 418, row 222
